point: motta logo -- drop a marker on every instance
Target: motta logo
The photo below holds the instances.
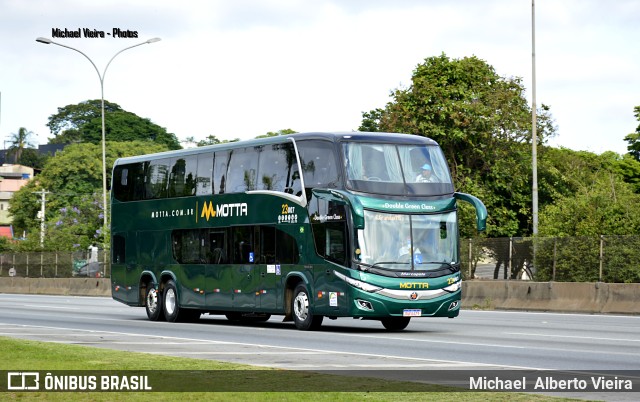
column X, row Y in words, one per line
column 211, row 210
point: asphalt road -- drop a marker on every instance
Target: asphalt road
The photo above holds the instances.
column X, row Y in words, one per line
column 475, row 340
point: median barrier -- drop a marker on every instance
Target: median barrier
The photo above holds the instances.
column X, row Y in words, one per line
column 56, row 286
column 588, row 297
column 581, row 297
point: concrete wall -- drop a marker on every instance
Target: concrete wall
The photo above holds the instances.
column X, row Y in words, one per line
column 57, row 286
column 614, row 298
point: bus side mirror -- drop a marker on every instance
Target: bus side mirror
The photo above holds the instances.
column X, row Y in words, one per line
column 481, row 210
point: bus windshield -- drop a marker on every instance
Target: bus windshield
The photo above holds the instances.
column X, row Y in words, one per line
column 396, row 169
column 403, row 242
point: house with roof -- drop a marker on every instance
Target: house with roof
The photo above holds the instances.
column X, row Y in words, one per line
column 12, row 178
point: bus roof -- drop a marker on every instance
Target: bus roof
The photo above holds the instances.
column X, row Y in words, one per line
column 379, row 137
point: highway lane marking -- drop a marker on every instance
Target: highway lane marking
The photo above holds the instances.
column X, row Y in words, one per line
column 573, row 337
column 320, row 351
column 53, row 307
column 248, row 353
column 385, row 336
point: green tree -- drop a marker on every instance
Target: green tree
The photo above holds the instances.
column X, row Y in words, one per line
column 629, row 169
column 83, row 123
column 285, row 131
column 74, row 179
column 482, row 122
column 591, row 197
column 18, row 142
column 213, row 140
column 634, row 138
column 32, row 158
column 24, row 206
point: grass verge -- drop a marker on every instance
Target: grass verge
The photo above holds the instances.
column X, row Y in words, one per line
column 24, row 355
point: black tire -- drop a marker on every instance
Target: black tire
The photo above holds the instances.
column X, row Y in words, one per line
column 153, row 303
column 247, row 317
column 234, row 316
column 171, row 305
column 395, row 323
column 301, row 309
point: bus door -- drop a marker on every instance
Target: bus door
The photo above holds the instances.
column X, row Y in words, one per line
column 329, row 224
column 219, row 273
column 269, row 268
column 123, row 262
column 189, row 251
column 246, row 274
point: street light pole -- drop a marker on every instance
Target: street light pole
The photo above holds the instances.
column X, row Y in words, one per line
column 48, row 41
column 534, row 136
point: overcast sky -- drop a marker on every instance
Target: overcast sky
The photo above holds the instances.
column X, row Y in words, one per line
column 241, row 68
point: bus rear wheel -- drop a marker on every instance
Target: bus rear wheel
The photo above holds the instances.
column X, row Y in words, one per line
column 300, row 305
column 395, row 323
column 171, row 308
column 153, row 303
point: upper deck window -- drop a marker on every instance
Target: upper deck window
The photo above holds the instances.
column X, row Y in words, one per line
column 396, row 169
column 278, row 169
column 319, row 166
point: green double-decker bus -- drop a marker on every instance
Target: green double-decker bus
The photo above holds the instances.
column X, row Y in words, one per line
column 306, row 226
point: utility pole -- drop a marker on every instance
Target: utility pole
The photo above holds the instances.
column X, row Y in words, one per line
column 41, row 215
column 534, row 136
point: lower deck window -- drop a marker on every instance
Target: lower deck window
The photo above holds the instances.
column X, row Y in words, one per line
column 236, row 245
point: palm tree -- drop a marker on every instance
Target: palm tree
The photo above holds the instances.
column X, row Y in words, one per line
column 19, row 141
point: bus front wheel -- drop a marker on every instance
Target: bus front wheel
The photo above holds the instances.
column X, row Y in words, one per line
column 302, row 316
column 153, row 303
column 395, row 323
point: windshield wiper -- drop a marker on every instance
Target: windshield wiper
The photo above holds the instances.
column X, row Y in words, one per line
column 389, row 262
column 377, row 264
column 449, row 265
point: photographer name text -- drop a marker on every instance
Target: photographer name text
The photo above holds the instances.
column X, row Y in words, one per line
column 595, row 383
column 92, row 33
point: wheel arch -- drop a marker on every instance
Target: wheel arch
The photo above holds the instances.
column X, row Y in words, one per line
column 292, row 280
column 149, row 278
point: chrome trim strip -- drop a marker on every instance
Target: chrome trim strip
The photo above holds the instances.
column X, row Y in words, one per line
column 406, row 294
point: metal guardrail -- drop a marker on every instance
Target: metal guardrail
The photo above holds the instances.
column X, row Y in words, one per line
column 612, row 259
column 54, row 265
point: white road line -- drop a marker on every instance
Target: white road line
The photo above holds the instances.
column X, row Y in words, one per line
column 53, row 307
column 343, row 353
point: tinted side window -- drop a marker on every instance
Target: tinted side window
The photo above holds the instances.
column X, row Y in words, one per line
column 221, row 165
column 122, row 188
column 278, row 169
column 128, row 182
column 242, row 171
column 156, row 179
column 267, row 245
column 329, row 226
column 189, row 246
column 286, row 248
column 319, row 164
column 242, row 246
column 205, row 174
column 182, row 179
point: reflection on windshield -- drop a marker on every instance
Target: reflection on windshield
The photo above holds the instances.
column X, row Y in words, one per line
column 396, row 169
column 408, row 242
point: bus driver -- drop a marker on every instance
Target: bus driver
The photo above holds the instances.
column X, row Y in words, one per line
column 426, row 176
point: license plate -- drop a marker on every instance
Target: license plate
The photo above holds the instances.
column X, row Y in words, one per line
column 414, row 312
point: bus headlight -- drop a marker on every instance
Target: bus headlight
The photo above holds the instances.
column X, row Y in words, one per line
column 453, row 288
column 358, row 284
